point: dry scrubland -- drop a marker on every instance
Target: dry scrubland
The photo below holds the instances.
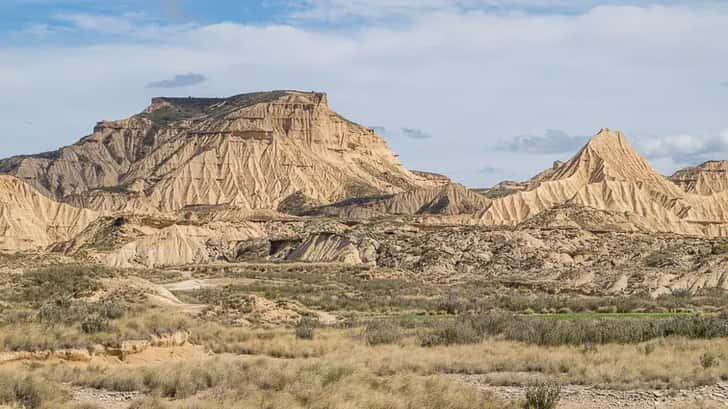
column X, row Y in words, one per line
column 387, row 349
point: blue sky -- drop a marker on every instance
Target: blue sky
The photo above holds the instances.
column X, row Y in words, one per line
column 481, row 90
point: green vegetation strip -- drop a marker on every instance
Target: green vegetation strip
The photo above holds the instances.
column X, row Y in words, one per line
column 616, row 315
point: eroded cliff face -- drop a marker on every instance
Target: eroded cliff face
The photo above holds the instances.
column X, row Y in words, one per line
column 98, row 160
column 707, row 179
column 251, row 151
column 31, row 220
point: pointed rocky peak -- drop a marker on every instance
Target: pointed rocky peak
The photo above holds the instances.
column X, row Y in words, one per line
column 609, row 156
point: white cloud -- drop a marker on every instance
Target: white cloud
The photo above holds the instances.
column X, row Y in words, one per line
column 470, row 77
column 685, row 148
column 552, row 141
column 336, row 10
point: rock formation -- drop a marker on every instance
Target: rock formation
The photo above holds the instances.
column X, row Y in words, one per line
column 279, row 177
column 251, row 151
column 709, row 178
column 608, row 174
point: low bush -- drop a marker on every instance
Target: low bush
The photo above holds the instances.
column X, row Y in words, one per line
column 92, row 317
column 709, row 360
column 382, row 332
column 94, row 323
column 542, row 396
column 577, row 332
column 305, row 329
column 62, row 282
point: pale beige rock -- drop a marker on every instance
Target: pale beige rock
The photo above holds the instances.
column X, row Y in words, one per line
column 250, row 151
column 30, row 220
column 327, row 248
column 706, row 179
column 177, row 245
column 609, row 175
column 134, row 241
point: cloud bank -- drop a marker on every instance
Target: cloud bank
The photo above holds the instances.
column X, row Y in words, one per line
column 472, row 71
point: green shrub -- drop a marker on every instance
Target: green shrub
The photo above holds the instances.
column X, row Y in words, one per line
column 54, row 312
column 65, row 311
column 709, row 360
column 577, row 332
column 542, row 396
column 462, row 331
column 382, row 332
column 71, row 282
column 94, row 323
column 305, row 329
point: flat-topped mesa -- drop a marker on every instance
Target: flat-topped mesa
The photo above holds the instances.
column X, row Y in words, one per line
column 195, row 105
column 249, row 150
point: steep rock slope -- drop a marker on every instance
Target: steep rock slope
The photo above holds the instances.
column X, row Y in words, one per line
column 709, row 178
column 251, row 151
column 607, row 174
column 30, row 220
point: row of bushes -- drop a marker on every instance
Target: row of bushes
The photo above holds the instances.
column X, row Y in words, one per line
column 463, row 301
column 474, row 328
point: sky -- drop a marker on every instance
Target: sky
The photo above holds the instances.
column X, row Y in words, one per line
column 479, row 90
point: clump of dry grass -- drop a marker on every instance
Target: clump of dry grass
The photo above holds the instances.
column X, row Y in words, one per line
column 18, row 390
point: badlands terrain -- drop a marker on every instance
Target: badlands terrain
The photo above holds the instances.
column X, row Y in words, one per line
column 262, row 251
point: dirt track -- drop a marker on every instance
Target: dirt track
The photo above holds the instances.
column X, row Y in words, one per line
column 584, row 397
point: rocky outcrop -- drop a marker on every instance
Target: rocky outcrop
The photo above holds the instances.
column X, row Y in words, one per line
column 136, row 241
column 123, row 350
column 707, row 179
